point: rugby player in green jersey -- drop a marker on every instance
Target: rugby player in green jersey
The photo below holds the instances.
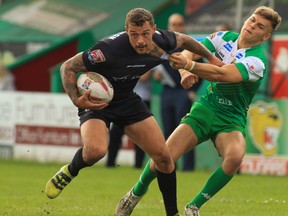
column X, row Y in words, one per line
column 220, row 115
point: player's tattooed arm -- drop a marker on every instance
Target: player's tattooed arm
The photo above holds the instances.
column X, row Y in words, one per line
column 192, row 45
column 156, row 51
column 68, row 72
column 189, row 43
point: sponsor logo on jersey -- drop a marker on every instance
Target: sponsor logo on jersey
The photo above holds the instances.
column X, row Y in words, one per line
column 224, row 101
column 228, row 47
column 135, row 66
column 220, row 33
column 239, row 56
column 127, row 77
column 250, row 67
column 218, row 56
column 113, row 37
column 221, row 54
column 96, row 56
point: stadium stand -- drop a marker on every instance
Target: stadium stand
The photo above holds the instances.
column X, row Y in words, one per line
column 39, row 35
column 214, row 12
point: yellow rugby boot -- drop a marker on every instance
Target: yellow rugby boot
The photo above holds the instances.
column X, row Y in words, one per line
column 58, row 182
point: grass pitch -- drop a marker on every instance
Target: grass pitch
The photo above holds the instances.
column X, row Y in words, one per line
column 97, row 190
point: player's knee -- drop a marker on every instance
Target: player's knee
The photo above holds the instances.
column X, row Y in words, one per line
column 93, row 154
column 163, row 162
column 232, row 164
column 236, row 162
column 237, row 158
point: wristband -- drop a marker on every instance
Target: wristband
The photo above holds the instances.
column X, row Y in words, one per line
column 189, row 65
column 192, row 65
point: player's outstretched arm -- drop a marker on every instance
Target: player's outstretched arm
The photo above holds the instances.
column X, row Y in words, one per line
column 187, row 42
column 226, row 73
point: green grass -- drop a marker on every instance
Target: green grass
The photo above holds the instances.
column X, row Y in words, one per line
column 97, row 190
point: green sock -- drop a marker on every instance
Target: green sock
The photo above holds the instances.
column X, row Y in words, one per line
column 144, row 181
column 214, row 184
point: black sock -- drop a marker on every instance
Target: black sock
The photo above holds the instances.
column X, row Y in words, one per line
column 167, row 185
column 77, row 163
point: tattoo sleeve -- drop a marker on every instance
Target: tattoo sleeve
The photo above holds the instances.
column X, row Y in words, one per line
column 188, row 43
column 156, row 51
column 68, row 71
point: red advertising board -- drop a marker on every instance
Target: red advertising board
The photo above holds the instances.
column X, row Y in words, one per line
column 279, row 82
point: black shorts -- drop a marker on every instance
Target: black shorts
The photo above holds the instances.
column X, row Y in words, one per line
column 121, row 112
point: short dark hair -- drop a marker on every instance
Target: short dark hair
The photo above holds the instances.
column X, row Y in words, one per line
column 138, row 16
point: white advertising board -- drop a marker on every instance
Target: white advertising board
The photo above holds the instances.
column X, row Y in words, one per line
column 43, row 127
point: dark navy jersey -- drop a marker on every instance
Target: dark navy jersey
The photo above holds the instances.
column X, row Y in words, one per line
column 115, row 58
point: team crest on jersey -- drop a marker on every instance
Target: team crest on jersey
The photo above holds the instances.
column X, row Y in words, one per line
column 96, row 56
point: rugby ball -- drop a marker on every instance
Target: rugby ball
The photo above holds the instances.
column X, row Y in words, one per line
column 101, row 89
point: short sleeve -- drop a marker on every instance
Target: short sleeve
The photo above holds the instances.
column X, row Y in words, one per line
column 251, row 68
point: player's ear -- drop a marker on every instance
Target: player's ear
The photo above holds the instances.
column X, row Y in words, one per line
column 154, row 27
column 267, row 36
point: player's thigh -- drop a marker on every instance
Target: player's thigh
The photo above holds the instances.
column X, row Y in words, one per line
column 182, row 140
column 148, row 135
column 94, row 134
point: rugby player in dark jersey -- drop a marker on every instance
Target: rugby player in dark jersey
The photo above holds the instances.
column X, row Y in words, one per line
column 122, row 58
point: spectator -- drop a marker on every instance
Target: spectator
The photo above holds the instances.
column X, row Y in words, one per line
column 175, row 100
column 6, row 79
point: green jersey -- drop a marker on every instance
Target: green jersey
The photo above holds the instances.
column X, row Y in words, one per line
column 234, row 98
